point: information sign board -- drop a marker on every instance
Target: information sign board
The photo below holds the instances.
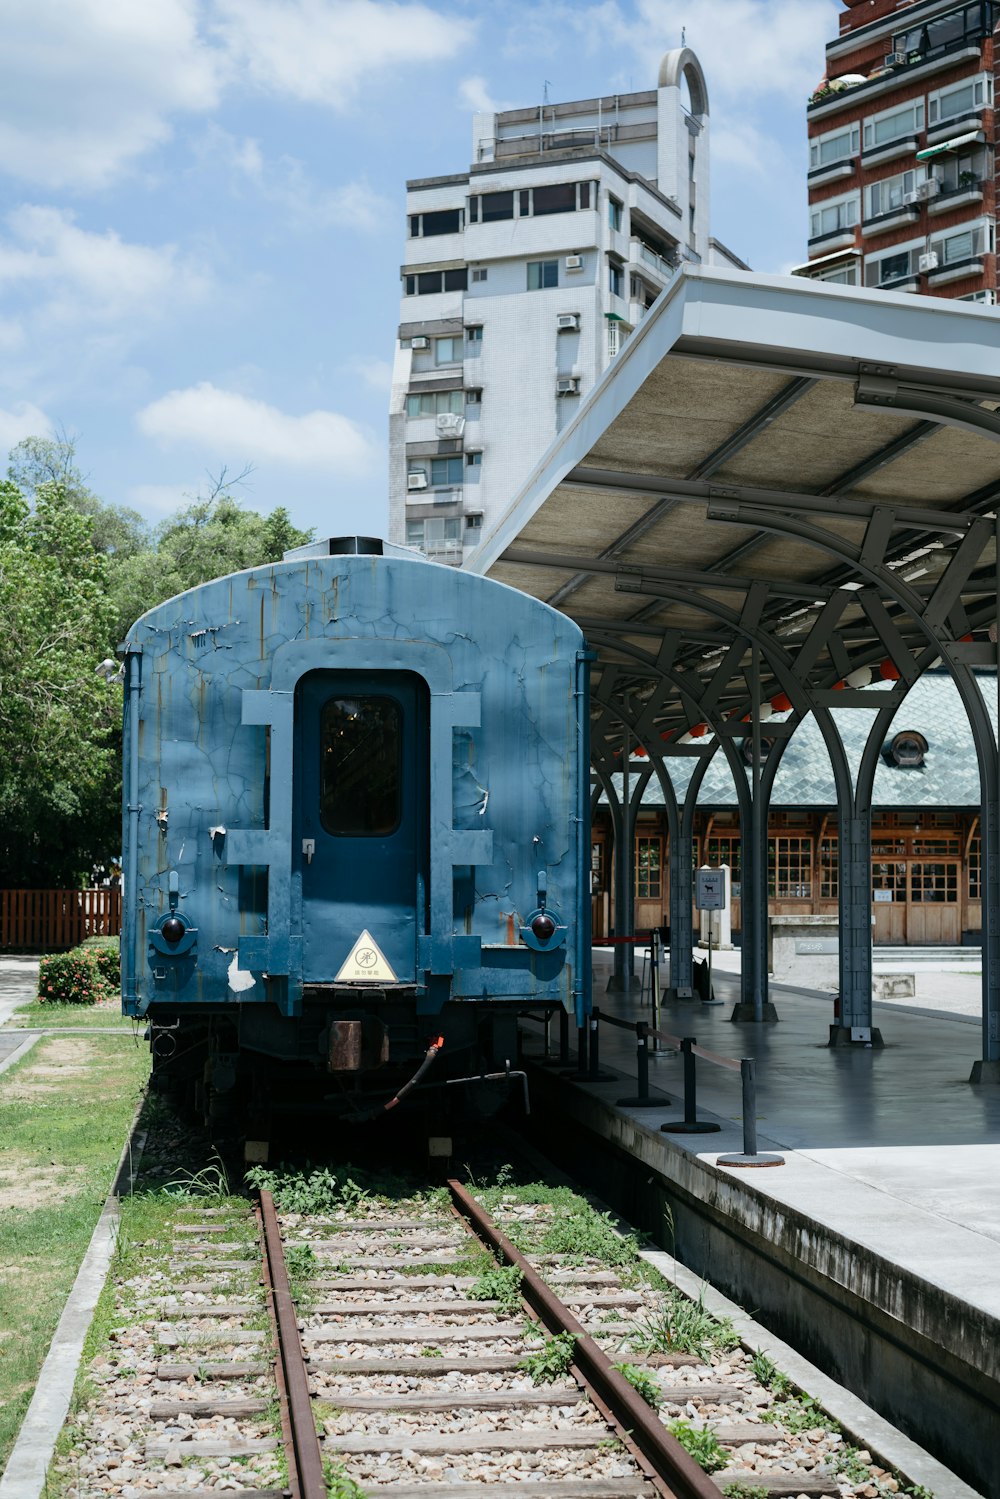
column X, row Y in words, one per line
column 710, row 890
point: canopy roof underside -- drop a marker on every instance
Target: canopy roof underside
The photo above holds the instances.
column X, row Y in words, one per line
column 809, row 469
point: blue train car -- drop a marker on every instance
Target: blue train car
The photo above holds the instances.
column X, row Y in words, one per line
column 355, row 821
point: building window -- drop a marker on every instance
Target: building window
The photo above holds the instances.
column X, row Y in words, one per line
column 835, row 216
column 473, row 398
column 542, row 274
column 975, row 869
column 474, row 341
column 614, row 338
column 473, row 522
column 790, row 868
column 967, row 97
column 425, row 283
column 840, row 275
column 614, row 214
column 585, row 190
column 474, row 459
column 437, row 536
column 895, row 265
column 648, row 868
column 726, row 849
column 616, row 281
column 496, row 206
column 480, row 273
column 963, row 24
column 829, row 869
column 447, row 351
column 836, row 145
column 447, row 221
column 960, row 244
column 889, row 194
column 894, row 125
column 446, row 471
column 435, row 402
column 560, row 197
column 933, row 883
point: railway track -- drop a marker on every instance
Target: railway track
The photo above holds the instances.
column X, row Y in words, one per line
column 407, row 1349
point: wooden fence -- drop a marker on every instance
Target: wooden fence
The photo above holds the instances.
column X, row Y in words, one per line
column 50, row 920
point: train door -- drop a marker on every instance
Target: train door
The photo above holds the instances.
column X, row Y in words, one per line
column 361, row 823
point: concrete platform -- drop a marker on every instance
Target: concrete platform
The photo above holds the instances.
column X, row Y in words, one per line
column 873, row 1248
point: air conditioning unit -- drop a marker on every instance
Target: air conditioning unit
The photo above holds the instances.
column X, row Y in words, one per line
column 928, row 262
column 568, row 387
column 449, row 424
column 416, row 481
column 894, row 59
column 568, row 321
column 420, row 343
column 910, row 200
column 928, row 189
column 574, row 262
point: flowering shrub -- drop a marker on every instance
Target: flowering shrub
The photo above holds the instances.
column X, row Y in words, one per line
column 109, row 958
column 73, row 978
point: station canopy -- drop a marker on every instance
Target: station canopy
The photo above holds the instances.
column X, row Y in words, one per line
column 781, row 493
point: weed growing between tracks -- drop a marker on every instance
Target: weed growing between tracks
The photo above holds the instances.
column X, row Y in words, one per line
column 65, row 1110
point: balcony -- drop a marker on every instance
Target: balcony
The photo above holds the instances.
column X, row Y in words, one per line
column 903, row 145
column 938, row 60
column 640, row 253
column 956, row 270
column 950, row 198
column 896, row 218
column 969, row 122
column 834, row 171
column 837, row 239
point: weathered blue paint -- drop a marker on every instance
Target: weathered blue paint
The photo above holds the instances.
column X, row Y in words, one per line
column 211, row 777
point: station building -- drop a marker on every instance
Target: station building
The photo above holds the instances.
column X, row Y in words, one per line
column 522, row 277
column 926, row 841
column 902, row 150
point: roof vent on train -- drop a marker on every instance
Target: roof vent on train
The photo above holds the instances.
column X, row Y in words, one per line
column 906, row 749
column 350, row 546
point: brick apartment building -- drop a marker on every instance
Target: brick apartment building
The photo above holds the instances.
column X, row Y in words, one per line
column 902, row 185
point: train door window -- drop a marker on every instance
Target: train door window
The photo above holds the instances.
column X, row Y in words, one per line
column 360, row 766
column 790, row 868
column 933, row 882
column 648, row 867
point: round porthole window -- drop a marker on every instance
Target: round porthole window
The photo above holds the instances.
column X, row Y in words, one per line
column 746, row 749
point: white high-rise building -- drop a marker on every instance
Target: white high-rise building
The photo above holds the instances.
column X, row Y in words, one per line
column 522, row 278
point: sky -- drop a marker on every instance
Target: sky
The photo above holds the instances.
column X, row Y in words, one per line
column 202, row 210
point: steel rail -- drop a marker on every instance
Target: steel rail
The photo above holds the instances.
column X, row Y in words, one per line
column 305, row 1458
column 665, row 1455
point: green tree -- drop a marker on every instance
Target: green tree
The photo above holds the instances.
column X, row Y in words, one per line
column 37, row 462
column 58, row 719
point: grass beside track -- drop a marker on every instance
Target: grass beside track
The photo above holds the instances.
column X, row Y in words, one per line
column 33, row 1015
column 65, row 1110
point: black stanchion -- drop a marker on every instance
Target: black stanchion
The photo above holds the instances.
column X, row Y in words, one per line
column 690, row 1124
column 642, row 1099
column 751, row 1155
column 594, row 1073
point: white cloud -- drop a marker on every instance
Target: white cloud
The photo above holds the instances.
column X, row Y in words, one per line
column 747, row 48
column 70, row 276
column 89, row 86
column 322, row 51
column 375, row 373
column 237, row 427
column 474, row 94
column 22, row 420
column 284, row 182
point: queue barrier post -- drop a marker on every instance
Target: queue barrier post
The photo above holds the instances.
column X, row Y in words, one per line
column 690, row 1124
column 751, row 1155
column 642, row 1099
